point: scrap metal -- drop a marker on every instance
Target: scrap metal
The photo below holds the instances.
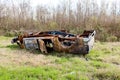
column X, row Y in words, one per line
column 60, row 41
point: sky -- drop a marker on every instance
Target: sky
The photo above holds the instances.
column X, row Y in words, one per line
column 46, row 2
column 56, row 2
column 53, row 3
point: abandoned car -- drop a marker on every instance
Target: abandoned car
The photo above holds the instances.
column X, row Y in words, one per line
column 60, row 41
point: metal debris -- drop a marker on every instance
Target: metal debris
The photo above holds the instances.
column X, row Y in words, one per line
column 59, row 41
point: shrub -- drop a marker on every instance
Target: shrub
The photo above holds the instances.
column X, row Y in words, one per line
column 112, row 38
column 12, row 33
column 9, row 34
column 53, row 25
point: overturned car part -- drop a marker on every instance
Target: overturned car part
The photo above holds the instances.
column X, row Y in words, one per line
column 59, row 41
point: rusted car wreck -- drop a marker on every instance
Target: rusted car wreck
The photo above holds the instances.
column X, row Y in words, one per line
column 59, row 41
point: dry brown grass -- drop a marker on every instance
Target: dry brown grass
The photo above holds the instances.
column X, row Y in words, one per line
column 18, row 56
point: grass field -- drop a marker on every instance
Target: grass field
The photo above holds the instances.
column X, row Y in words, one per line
column 21, row 64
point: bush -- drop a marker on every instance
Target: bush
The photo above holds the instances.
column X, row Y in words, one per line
column 53, row 25
column 112, row 38
column 12, row 33
column 9, row 34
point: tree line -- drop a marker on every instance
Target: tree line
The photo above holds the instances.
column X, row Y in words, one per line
column 104, row 17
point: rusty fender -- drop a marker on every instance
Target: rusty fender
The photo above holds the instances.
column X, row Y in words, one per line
column 77, row 46
column 42, row 46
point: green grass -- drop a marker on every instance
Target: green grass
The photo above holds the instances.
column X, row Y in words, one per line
column 21, row 64
column 28, row 73
column 5, row 38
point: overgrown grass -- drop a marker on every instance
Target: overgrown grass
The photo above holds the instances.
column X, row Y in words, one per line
column 20, row 64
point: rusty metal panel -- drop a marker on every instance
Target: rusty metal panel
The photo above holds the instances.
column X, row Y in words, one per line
column 42, row 46
column 30, row 43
